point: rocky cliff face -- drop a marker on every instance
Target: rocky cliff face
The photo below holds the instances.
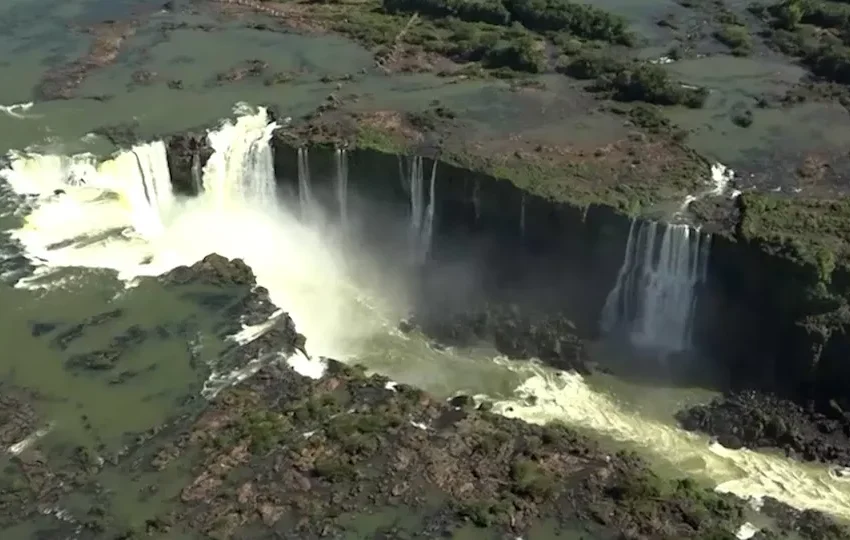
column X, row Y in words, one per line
column 774, row 321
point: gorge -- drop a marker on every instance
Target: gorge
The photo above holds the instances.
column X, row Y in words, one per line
column 442, row 284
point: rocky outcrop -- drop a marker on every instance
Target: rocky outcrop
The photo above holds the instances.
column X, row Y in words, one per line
column 550, row 338
column 187, row 155
column 61, row 82
column 227, row 286
column 324, row 451
column 758, row 420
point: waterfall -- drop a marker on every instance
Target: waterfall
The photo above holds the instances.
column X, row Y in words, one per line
column 241, row 167
column 654, row 296
column 305, row 195
column 152, row 161
column 427, row 232
column 197, row 178
column 140, row 177
column 421, row 214
column 342, row 185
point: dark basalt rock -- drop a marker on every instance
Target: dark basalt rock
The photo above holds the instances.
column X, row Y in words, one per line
column 121, row 135
column 106, row 359
column 213, row 270
column 187, row 154
column 66, row 337
column 258, row 469
column 758, row 420
column 551, row 338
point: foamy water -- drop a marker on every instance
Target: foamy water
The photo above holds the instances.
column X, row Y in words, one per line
column 100, row 220
column 17, row 110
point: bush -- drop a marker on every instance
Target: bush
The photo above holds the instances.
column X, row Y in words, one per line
column 579, row 20
column 736, row 38
column 628, row 82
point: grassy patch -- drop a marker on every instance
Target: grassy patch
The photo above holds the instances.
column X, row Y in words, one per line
column 736, row 37
column 812, row 231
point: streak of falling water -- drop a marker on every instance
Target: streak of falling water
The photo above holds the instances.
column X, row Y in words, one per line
column 305, row 194
column 342, row 185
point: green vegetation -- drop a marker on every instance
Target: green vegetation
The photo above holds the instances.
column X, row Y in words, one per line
column 816, row 31
column 506, row 39
column 579, row 20
column 633, row 81
column 736, row 37
column 815, row 232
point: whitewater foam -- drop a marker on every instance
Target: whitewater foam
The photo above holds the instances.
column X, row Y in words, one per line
column 17, row 110
column 549, row 396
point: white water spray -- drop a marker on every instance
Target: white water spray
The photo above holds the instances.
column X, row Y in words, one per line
column 17, row 110
column 655, row 294
column 242, row 164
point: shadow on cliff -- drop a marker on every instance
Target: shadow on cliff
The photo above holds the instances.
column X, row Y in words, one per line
column 490, row 264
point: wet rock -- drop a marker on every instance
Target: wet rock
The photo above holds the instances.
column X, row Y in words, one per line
column 121, row 135
column 143, row 77
column 187, row 154
column 281, row 77
column 551, row 338
column 39, row 329
column 213, row 270
column 17, row 416
column 66, row 337
column 61, row 82
column 105, row 359
column 462, row 402
column 757, row 420
column 250, row 68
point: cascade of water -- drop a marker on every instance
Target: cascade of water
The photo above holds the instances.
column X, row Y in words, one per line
column 152, row 161
column 141, row 177
column 305, row 195
column 654, row 297
column 241, row 166
column 197, row 178
column 342, row 185
column 427, row 232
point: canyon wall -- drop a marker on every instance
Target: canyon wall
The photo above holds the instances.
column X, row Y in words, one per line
column 773, row 323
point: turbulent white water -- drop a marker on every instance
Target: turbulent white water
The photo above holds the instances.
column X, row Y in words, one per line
column 654, row 296
column 236, row 216
column 17, row 110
